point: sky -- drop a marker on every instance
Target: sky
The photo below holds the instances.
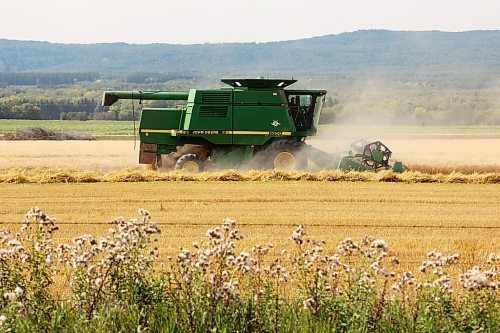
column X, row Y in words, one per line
column 221, row 21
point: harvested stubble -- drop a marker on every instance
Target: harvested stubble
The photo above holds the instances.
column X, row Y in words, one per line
column 44, row 176
column 434, row 156
column 414, row 218
column 447, row 169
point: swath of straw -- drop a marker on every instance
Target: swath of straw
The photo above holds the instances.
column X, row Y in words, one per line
column 62, row 175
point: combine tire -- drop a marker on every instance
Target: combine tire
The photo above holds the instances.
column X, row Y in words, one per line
column 190, row 163
column 285, row 155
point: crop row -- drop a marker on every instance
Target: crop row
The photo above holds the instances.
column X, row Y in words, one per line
column 62, row 175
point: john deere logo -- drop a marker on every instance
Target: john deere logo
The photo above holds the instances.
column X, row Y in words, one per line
column 275, row 123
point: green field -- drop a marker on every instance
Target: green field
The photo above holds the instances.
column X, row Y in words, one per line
column 125, row 128
column 93, row 127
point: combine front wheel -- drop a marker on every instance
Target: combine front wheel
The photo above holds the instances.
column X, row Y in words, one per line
column 284, row 161
column 190, row 163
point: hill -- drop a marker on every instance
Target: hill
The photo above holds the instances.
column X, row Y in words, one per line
column 372, row 76
column 408, row 55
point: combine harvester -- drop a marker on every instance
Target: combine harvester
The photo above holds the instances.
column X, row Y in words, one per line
column 254, row 124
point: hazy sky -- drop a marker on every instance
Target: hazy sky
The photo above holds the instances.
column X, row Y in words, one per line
column 191, row 21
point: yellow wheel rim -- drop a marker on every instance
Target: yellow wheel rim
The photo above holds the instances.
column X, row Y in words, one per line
column 284, row 160
column 191, row 166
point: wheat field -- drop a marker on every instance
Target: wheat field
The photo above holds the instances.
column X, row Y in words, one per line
column 412, row 218
column 91, row 155
column 422, row 154
column 444, row 204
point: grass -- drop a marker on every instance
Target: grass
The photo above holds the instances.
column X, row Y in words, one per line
column 125, row 128
column 93, row 127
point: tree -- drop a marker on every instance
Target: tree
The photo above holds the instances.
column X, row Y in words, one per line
column 26, row 111
column 114, row 111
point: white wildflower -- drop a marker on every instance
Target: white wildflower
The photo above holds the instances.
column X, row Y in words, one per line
column 298, row 234
column 347, row 246
column 11, row 296
column 18, row 291
column 394, row 260
column 379, row 245
column 309, row 303
column 475, row 279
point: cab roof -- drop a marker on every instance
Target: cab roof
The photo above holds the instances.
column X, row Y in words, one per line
column 258, row 83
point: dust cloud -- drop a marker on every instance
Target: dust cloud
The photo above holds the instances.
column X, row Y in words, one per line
column 410, row 143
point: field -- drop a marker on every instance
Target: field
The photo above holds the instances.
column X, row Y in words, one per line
column 460, row 218
column 90, row 155
column 93, row 127
column 121, row 128
column 83, row 185
column 248, row 287
column 399, row 211
column 424, row 154
column 425, row 147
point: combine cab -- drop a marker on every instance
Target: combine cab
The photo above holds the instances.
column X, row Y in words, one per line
column 254, row 123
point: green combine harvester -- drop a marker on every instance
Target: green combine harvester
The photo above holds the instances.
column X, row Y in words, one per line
column 254, row 124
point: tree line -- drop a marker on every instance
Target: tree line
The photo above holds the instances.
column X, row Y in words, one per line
column 348, row 101
column 81, row 100
column 55, row 78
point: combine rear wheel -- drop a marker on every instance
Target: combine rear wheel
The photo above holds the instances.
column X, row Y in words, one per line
column 285, row 155
column 190, row 163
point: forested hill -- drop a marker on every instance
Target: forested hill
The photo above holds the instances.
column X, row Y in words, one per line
column 397, row 52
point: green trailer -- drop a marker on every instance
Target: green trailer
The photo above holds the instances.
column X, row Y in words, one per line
column 253, row 123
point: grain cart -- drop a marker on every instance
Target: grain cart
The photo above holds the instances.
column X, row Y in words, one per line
column 254, row 123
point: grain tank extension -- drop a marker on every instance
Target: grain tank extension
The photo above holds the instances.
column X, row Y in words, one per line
column 255, row 123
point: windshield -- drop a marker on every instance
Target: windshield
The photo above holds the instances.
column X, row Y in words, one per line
column 317, row 110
